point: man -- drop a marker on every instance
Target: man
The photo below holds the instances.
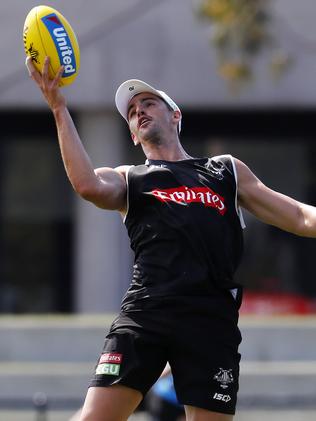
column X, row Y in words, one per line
column 183, row 217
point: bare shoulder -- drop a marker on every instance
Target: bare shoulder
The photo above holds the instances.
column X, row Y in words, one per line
column 244, row 174
column 123, row 169
column 248, row 184
column 242, row 169
column 110, row 191
column 117, row 172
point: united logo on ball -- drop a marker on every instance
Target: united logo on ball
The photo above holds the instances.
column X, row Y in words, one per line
column 48, row 33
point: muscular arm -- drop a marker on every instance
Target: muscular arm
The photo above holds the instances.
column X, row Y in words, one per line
column 105, row 187
column 272, row 207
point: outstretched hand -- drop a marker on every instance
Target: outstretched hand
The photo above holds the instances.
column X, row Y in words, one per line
column 49, row 87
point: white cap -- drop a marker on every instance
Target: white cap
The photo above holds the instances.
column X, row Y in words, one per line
column 128, row 89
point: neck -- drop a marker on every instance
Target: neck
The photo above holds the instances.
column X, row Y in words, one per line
column 166, row 152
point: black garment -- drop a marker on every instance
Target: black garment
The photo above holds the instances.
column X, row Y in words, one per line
column 184, row 227
column 197, row 335
column 182, row 305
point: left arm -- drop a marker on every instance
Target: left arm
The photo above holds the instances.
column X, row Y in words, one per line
column 272, row 207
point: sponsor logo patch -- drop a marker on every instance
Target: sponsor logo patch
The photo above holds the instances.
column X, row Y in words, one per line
column 62, row 43
column 111, row 357
column 221, row 397
column 224, row 377
column 184, row 195
column 108, row 369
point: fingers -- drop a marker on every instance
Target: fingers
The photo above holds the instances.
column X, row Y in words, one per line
column 43, row 79
column 49, row 86
column 58, row 76
column 29, row 65
column 45, row 70
column 34, row 74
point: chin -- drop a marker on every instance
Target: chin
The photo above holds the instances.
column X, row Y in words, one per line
column 152, row 135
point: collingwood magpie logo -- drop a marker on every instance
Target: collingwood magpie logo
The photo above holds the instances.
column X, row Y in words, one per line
column 224, row 377
column 215, row 168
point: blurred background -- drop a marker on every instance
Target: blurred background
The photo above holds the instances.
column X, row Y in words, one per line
column 243, row 74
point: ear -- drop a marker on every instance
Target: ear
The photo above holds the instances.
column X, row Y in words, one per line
column 134, row 139
column 177, row 116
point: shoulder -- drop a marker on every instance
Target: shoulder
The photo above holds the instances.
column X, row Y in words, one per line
column 134, row 172
column 123, row 169
column 243, row 171
column 238, row 167
column 225, row 159
column 225, row 164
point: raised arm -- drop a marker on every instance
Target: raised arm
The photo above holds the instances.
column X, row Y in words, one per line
column 272, row 207
column 105, row 187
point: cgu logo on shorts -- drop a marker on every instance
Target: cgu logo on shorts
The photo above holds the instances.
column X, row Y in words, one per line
column 184, row 195
column 62, row 43
column 109, row 364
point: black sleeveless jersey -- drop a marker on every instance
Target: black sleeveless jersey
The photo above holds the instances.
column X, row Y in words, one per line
column 184, row 226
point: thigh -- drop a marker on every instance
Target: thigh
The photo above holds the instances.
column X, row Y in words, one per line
column 198, row 414
column 115, row 403
column 205, row 364
column 131, row 357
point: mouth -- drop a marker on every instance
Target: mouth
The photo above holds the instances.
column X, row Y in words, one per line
column 143, row 121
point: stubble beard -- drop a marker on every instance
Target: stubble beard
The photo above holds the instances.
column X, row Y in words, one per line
column 153, row 135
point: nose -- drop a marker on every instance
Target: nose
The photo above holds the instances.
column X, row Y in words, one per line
column 139, row 109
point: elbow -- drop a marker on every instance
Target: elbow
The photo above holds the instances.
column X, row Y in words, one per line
column 304, row 226
column 306, row 229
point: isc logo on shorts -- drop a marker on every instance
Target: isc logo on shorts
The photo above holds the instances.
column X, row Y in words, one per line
column 221, row 397
column 109, row 369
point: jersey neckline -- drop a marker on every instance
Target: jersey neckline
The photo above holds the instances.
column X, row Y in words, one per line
column 179, row 161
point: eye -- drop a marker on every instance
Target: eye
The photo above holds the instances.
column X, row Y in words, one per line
column 148, row 103
column 131, row 113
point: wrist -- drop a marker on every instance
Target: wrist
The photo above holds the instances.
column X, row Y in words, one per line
column 59, row 109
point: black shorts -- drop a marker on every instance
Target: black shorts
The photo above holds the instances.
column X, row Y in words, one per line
column 199, row 338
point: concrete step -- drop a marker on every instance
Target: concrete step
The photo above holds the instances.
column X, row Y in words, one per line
column 253, row 415
column 52, row 415
column 80, row 338
column 280, row 383
column 52, row 338
column 58, row 381
column 57, row 355
column 281, row 338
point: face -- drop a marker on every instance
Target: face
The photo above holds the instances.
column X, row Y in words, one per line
column 149, row 118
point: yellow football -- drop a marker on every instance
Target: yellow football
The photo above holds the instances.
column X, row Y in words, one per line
column 47, row 33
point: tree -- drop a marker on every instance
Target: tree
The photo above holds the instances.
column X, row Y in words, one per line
column 241, row 30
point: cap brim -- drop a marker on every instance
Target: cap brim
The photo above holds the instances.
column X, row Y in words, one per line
column 127, row 90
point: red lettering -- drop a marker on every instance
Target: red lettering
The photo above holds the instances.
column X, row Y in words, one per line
column 111, row 357
column 184, row 195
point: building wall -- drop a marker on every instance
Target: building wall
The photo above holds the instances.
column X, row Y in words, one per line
column 102, row 256
column 164, row 43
